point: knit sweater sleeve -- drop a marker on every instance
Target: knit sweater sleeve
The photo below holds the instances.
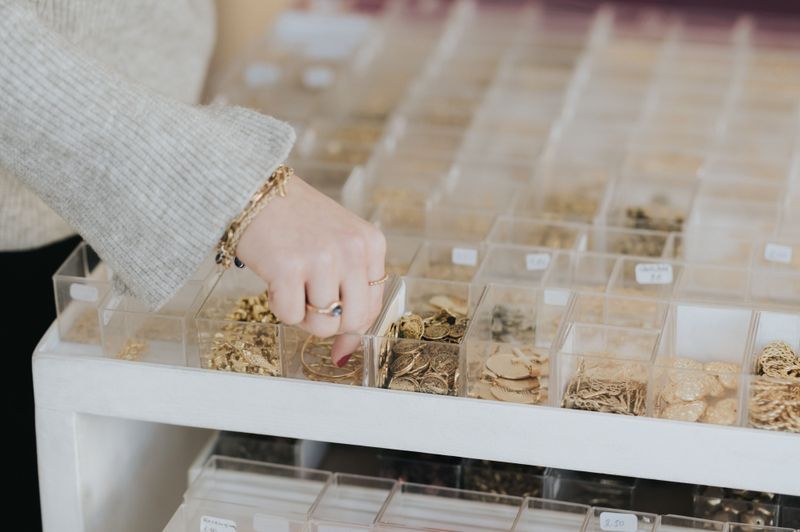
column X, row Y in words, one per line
column 149, row 182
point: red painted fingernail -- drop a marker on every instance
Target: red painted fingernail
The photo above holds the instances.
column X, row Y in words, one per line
column 343, row 361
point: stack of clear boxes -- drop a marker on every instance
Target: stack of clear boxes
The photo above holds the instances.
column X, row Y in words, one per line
column 606, row 191
column 243, row 495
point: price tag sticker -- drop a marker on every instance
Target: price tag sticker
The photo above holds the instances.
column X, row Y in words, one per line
column 778, row 253
column 618, row 522
column 653, row 273
column 318, row 77
column 465, row 256
column 537, row 261
column 216, row 524
column 82, row 292
column 261, row 74
column 556, row 296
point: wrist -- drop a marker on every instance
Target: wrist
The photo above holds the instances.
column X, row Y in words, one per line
column 275, row 185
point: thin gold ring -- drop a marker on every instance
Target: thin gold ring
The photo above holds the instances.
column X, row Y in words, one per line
column 379, row 281
column 334, row 309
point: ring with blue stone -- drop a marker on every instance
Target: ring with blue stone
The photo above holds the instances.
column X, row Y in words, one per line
column 334, row 309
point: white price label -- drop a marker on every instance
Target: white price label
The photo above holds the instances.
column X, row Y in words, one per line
column 216, row 524
column 653, row 273
column 318, row 77
column 778, row 253
column 556, row 297
column 82, row 292
column 618, row 522
column 261, row 74
column 465, row 256
column 537, row 261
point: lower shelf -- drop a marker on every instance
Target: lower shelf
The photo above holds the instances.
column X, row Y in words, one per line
column 73, row 378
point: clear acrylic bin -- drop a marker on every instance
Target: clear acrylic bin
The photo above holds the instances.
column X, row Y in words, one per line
column 776, row 255
column 400, row 252
column 420, row 468
column 512, row 115
column 419, row 336
column 349, row 502
column 80, row 284
column 227, row 342
column 332, row 150
column 447, row 261
column 590, row 488
column 458, row 223
column 327, row 178
column 652, row 204
column 603, row 309
column 649, row 162
column 736, row 168
column 737, row 507
column 309, row 357
column 509, row 344
column 401, row 220
column 604, row 368
column 237, row 332
column 510, row 264
column 720, row 248
column 486, row 144
column 261, row 448
column 581, row 271
column 740, row 527
column 346, row 132
column 524, row 232
column 476, row 192
column 713, row 284
column 551, row 516
column 252, row 496
column 601, row 519
column 565, row 191
column 790, row 511
column 131, row 331
column 434, row 222
column 428, row 508
column 637, row 242
column 505, row 173
column 645, row 278
column 772, row 398
column 502, row 479
column 770, row 288
column 698, row 371
column 745, row 208
column 420, row 139
column 400, row 191
column 679, row 523
column 405, row 166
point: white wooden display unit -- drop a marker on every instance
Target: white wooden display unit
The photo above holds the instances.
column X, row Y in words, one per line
column 116, row 438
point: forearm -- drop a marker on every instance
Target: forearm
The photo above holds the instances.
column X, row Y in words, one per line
column 149, row 182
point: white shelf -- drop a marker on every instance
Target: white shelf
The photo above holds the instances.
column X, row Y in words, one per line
column 72, row 381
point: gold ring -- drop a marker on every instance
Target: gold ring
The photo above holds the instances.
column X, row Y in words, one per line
column 334, row 309
column 379, row 281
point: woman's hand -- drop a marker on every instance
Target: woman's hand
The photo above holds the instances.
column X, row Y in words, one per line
column 308, row 248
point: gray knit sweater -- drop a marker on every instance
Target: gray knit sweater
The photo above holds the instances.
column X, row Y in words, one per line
column 97, row 124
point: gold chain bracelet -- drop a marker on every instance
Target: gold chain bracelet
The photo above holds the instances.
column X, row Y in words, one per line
column 276, row 184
